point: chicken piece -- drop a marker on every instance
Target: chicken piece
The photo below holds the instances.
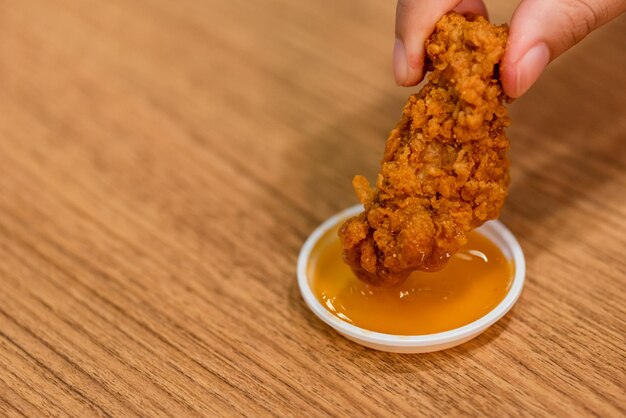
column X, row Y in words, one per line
column 445, row 167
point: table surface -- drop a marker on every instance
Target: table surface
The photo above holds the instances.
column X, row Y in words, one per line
column 161, row 164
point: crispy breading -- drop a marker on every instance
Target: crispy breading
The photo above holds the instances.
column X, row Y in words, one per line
column 445, row 167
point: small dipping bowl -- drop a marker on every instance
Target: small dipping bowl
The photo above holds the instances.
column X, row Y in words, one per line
column 495, row 231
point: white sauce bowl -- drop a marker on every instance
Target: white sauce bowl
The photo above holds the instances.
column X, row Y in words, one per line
column 494, row 230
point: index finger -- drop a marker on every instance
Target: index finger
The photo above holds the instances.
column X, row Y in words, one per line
column 415, row 21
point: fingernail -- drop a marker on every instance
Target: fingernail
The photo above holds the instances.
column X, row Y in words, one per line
column 530, row 67
column 400, row 65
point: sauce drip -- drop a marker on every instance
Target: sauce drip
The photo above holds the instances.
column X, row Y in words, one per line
column 473, row 282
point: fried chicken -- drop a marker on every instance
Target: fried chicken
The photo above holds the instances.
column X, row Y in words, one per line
column 445, row 167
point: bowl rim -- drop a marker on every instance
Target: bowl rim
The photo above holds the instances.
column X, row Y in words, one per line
column 425, row 340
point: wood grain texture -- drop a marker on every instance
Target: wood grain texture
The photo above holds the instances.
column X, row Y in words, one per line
column 162, row 162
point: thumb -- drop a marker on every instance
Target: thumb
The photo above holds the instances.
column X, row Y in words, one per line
column 542, row 30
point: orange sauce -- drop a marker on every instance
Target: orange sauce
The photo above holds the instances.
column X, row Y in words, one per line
column 473, row 282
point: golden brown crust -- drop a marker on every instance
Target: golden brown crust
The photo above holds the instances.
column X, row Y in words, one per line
column 444, row 170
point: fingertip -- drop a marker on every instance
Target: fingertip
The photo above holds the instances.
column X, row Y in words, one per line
column 407, row 68
column 415, row 21
column 518, row 77
column 415, row 68
column 400, row 65
column 507, row 73
column 507, row 78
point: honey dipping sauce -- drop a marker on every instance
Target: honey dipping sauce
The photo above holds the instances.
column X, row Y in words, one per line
column 474, row 281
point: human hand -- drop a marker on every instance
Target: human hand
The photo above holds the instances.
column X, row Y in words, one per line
column 540, row 31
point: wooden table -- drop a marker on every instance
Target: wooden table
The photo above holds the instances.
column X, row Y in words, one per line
column 162, row 162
